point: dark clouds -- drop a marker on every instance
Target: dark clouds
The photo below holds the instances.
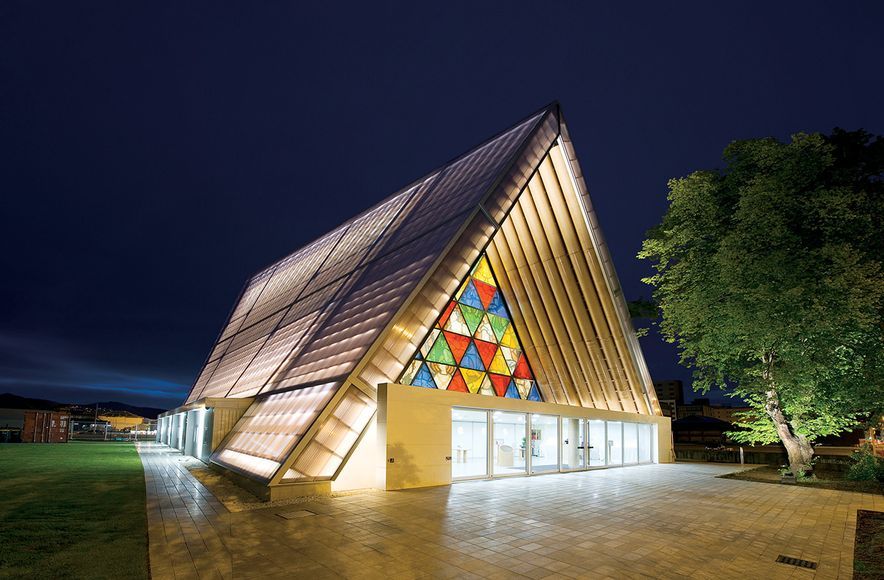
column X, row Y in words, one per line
column 153, row 156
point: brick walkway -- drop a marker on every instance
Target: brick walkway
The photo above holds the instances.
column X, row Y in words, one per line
column 656, row 521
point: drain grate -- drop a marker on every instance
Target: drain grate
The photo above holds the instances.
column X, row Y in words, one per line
column 796, row 562
column 295, row 514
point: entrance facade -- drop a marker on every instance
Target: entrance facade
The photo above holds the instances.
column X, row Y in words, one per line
column 488, row 443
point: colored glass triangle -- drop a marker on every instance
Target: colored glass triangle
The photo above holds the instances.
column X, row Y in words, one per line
column 500, row 383
column 411, row 371
column 496, row 306
column 440, row 353
column 498, row 324
column 471, row 359
column 441, row 374
column 473, row 379
column 428, row 344
column 457, row 324
column 423, row 378
column 509, row 338
column 486, row 351
column 498, row 364
column 446, row 313
column 482, row 271
column 458, row 344
column 487, row 388
column 485, row 331
column 522, row 371
column 472, row 317
column 463, row 286
column 470, row 297
column 511, row 356
column 457, row 383
column 485, row 291
column 511, row 391
column 534, row 395
column 524, row 387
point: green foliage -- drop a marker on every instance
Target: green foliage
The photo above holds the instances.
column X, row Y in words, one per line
column 769, row 278
column 865, row 467
column 642, row 309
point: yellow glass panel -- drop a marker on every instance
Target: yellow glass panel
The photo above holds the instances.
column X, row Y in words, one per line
column 473, row 379
column 498, row 364
column 483, row 271
column 509, row 338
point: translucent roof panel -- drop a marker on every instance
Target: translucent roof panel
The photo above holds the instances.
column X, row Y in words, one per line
column 270, row 428
column 349, row 283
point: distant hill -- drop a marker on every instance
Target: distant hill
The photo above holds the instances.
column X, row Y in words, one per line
column 147, row 412
column 10, row 401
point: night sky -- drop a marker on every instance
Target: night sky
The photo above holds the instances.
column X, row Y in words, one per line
column 155, row 155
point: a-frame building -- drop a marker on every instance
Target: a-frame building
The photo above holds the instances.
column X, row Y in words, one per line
column 470, row 325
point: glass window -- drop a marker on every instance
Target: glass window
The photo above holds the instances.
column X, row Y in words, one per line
column 469, row 443
column 573, row 445
column 474, row 347
column 645, row 441
column 509, row 443
column 597, row 443
column 630, row 443
column 615, row 443
column 544, row 443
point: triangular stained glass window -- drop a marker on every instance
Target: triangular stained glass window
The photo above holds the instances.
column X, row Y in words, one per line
column 474, row 347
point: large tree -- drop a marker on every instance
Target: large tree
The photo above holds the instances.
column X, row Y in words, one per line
column 770, row 281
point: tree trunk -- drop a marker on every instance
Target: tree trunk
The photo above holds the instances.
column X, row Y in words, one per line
column 797, row 446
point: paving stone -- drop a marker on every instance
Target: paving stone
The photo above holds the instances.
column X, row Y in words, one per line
column 653, row 521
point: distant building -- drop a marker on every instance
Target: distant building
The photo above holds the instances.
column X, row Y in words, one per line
column 122, row 420
column 670, row 395
column 702, row 407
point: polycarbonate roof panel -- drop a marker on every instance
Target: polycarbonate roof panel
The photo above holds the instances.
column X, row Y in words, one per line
column 348, row 283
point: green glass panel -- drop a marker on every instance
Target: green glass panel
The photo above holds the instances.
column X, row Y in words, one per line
column 440, row 352
column 472, row 316
column 499, row 324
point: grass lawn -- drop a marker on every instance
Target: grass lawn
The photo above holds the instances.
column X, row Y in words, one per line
column 72, row 510
column 868, row 553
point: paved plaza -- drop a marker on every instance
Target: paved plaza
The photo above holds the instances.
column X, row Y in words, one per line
column 653, row 521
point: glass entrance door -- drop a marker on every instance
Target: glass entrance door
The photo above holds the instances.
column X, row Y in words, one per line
column 469, row 443
column 544, row 443
column 597, row 443
column 509, row 443
column 573, row 443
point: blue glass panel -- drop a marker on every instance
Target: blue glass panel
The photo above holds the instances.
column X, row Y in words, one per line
column 534, row 394
column 471, row 359
column 511, row 391
column 424, row 378
column 470, row 297
column 496, row 306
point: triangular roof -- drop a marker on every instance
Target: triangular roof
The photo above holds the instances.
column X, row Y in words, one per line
column 314, row 334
